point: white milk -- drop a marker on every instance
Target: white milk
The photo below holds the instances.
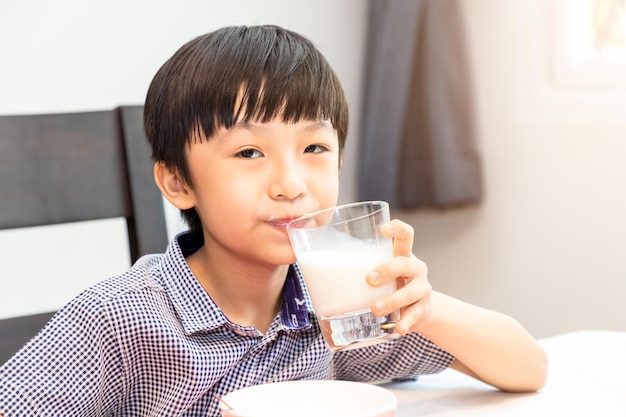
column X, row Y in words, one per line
column 336, row 278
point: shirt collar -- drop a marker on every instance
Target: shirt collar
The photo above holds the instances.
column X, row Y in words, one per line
column 198, row 312
column 296, row 302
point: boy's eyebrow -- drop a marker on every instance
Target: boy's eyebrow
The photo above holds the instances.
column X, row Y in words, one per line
column 312, row 126
column 319, row 124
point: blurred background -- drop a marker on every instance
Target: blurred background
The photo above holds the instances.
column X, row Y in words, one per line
column 545, row 242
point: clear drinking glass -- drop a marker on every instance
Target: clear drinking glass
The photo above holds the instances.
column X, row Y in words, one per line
column 335, row 249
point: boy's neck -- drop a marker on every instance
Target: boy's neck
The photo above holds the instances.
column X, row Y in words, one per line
column 248, row 294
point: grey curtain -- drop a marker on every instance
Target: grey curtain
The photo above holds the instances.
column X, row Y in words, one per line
column 418, row 145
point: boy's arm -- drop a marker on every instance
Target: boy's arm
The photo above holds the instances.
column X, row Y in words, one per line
column 63, row 368
column 487, row 345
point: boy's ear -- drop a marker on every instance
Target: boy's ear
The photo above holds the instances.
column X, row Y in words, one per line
column 173, row 187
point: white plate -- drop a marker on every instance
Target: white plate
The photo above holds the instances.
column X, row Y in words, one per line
column 310, row 399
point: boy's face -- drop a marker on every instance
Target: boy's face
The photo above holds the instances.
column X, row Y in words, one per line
column 250, row 180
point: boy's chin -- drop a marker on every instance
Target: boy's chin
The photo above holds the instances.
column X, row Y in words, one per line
column 280, row 256
column 286, row 260
column 287, row 256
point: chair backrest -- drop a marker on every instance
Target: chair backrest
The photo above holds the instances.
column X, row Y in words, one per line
column 71, row 167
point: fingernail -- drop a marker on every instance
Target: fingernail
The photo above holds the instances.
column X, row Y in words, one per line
column 373, row 277
column 379, row 306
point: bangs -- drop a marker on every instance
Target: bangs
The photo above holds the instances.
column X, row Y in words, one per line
column 272, row 75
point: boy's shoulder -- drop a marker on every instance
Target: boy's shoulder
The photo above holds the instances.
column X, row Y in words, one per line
column 143, row 276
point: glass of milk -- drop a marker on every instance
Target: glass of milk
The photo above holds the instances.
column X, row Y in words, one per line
column 335, row 249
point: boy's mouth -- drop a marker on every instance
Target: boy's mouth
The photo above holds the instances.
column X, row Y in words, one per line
column 282, row 222
column 299, row 223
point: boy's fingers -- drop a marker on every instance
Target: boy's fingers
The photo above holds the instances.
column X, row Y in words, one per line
column 409, row 294
column 392, row 269
column 409, row 316
column 412, row 316
column 402, row 235
column 404, row 268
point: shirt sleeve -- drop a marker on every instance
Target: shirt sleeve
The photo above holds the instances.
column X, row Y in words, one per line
column 61, row 371
column 405, row 357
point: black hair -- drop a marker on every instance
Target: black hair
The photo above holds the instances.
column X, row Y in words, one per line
column 238, row 73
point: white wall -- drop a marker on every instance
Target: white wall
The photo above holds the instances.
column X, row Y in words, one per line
column 549, row 243
column 72, row 55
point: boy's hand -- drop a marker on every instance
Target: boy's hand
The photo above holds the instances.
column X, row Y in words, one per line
column 413, row 294
column 486, row 345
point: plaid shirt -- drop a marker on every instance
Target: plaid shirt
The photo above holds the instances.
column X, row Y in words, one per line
column 151, row 342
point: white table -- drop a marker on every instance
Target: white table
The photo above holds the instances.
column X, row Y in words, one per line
column 587, row 377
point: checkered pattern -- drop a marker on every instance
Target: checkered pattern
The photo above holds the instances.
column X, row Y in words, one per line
column 151, row 342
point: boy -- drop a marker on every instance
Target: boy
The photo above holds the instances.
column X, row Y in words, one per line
column 247, row 127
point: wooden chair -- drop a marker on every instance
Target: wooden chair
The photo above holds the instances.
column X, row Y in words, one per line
column 71, row 167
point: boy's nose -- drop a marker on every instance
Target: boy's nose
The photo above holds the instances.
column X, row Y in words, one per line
column 288, row 182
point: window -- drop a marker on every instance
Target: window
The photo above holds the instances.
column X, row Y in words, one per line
column 591, row 43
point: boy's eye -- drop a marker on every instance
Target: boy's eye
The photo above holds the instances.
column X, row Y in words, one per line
column 249, row 154
column 315, row 149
